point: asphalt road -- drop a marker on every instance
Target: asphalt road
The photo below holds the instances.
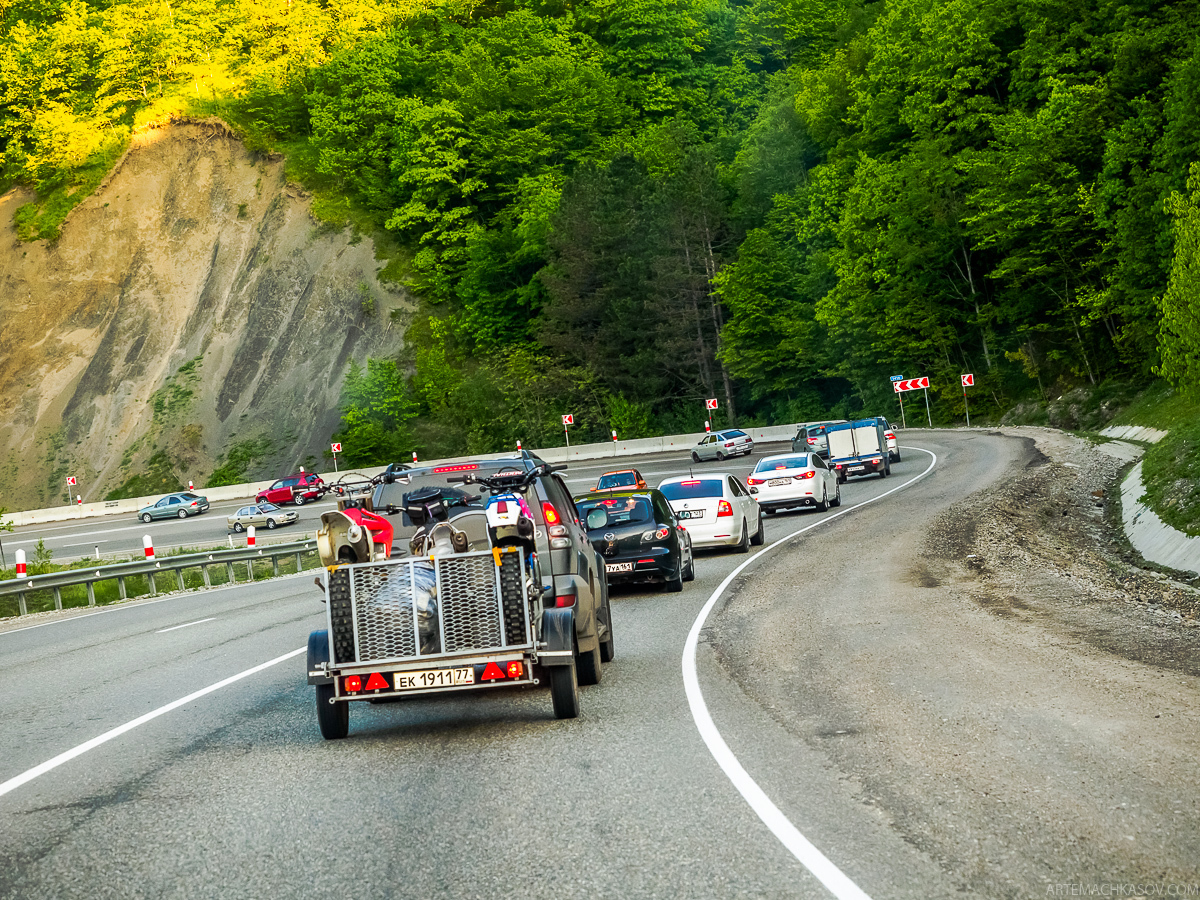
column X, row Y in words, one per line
column 122, row 535
column 234, row 794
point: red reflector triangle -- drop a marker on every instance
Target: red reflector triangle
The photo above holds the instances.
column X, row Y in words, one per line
column 491, row 672
column 377, row 682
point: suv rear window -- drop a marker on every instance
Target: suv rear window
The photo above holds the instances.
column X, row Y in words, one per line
column 621, row 510
column 692, row 489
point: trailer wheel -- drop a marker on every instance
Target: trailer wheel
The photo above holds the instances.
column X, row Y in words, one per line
column 334, row 718
column 564, row 691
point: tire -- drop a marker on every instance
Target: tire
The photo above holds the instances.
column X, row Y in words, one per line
column 824, row 504
column 695, row 456
column 564, row 691
column 183, row 514
column 334, row 718
column 886, row 471
column 744, row 544
column 675, row 585
column 837, row 498
column 238, row 527
column 589, row 671
column 270, row 523
column 760, row 536
column 299, row 499
column 690, row 574
column 608, row 646
column 720, row 456
column 147, row 518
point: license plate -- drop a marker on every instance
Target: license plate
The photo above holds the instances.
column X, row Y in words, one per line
column 431, row 678
column 618, row 567
column 691, row 514
column 779, row 482
column 855, row 469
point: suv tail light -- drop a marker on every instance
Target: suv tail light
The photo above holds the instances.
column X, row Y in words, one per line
column 566, row 598
column 550, row 514
column 803, row 475
column 724, row 509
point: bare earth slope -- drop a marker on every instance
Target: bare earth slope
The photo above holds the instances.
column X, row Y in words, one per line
column 985, row 670
column 194, row 249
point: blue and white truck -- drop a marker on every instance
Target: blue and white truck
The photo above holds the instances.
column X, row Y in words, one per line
column 858, row 448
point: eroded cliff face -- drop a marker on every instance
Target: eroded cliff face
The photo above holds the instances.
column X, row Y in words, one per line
column 190, row 304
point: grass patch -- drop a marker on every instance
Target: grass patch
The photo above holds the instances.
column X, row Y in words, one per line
column 62, row 192
column 1159, row 406
column 1171, row 474
column 237, row 460
column 158, row 478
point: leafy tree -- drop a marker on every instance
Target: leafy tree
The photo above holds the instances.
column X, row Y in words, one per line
column 376, row 409
column 1181, row 301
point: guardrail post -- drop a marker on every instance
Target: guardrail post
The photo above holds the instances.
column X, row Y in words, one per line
column 274, row 564
column 249, row 570
column 229, row 569
column 21, row 605
column 91, row 588
column 121, row 587
column 299, row 564
column 58, row 598
column 153, row 586
column 179, row 578
column 204, row 572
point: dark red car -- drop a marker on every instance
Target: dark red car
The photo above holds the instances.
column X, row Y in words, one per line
column 298, row 489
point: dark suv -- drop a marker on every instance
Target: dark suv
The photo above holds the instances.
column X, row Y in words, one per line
column 572, row 571
column 298, row 489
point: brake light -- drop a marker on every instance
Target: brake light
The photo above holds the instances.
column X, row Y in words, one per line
column 812, row 440
column 550, row 513
column 465, row 467
column 730, row 444
column 657, row 535
column 697, row 481
column 515, row 669
column 724, row 509
column 353, row 683
column 640, row 561
column 753, row 480
column 564, row 601
column 193, row 503
column 804, row 475
column 889, row 435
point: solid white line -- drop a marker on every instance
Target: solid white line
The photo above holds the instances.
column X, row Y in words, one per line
column 25, row 777
column 187, row 625
column 800, row 847
column 81, row 543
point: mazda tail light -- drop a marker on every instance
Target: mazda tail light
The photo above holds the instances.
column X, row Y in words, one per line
column 753, row 480
column 804, row 475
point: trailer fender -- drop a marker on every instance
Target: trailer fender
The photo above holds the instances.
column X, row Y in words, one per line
column 318, row 653
column 558, row 636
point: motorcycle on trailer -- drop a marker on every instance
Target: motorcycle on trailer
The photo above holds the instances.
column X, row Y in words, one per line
column 462, row 611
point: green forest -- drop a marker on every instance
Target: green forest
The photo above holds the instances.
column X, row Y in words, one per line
column 618, row 208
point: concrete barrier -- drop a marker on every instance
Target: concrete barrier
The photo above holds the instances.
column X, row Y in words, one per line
column 608, row 449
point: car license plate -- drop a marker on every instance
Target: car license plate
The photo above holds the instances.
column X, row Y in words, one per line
column 430, row 678
column 618, row 567
column 855, row 469
column 690, row 514
column 779, row 482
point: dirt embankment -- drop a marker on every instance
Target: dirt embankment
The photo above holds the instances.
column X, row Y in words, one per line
column 190, row 303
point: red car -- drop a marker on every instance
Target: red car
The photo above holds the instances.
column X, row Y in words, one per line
column 298, row 489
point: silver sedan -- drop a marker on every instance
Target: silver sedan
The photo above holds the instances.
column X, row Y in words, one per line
column 261, row 514
column 722, row 444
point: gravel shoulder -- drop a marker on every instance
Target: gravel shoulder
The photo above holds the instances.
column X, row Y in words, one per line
column 986, row 667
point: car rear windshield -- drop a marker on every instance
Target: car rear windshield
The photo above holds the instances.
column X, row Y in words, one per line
column 190, row 496
column 621, row 510
column 693, row 489
column 621, row 479
column 730, row 434
column 789, row 462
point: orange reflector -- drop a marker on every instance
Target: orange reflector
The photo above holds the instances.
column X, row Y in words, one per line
column 516, row 669
column 353, row 683
column 491, row 672
column 377, row 682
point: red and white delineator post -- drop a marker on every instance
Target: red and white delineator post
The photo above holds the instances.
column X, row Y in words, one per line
column 148, row 544
column 20, row 563
column 250, row 536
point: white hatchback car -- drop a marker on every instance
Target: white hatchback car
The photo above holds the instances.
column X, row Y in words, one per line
column 716, row 509
column 794, row 479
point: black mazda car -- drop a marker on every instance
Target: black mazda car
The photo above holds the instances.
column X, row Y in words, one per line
column 638, row 537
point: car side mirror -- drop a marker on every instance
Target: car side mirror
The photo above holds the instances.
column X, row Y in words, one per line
column 596, row 518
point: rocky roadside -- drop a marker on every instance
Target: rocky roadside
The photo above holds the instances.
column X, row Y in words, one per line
column 1049, row 542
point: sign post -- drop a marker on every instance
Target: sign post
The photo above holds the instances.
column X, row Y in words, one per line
column 568, row 419
column 900, row 397
column 914, row 384
column 709, row 405
column 336, row 448
column 967, row 381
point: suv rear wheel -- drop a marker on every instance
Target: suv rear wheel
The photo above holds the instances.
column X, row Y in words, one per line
column 564, row 691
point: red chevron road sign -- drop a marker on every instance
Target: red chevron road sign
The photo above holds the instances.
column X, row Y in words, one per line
column 910, row 384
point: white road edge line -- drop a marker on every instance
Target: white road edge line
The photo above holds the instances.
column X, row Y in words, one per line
column 25, row 777
column 800, row 847
column 185, row 625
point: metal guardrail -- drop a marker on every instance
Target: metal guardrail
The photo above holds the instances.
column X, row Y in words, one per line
column 56, row 581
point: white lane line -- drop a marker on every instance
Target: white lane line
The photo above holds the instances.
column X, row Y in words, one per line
column 187, row 625
column 25, row 777
column 800, row 847
column 101, row 541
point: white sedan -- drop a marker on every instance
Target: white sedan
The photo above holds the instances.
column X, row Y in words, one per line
column 716, row 509
column 794, row 479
